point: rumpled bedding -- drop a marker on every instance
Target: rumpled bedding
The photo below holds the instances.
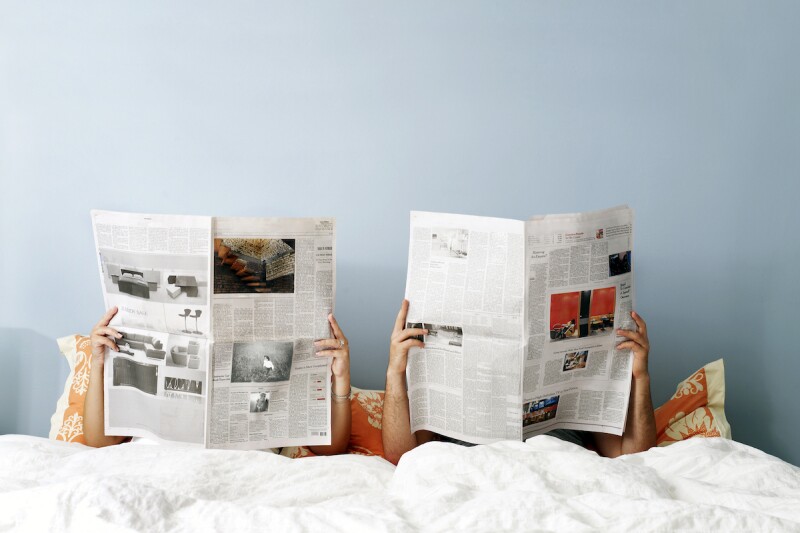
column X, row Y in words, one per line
column 544, row 484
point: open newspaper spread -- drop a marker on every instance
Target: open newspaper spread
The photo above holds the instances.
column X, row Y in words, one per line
column 521, row 319
column 218, row 318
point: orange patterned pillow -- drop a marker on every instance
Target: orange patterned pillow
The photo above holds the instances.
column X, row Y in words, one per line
column 67, row 422
column 366, row 411
column 697, row 409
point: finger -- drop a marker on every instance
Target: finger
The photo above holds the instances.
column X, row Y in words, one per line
column 630, row 345
column 327, row 344
column 630, row 334
column 105, row 341
column 412, row 343
column 635, row 336
column 637, row 340
column 337, row 331
column 336, row 354
column 401, row 317
column 640, row 323
column 410, row 332
column 110, row 332
column 107, row 317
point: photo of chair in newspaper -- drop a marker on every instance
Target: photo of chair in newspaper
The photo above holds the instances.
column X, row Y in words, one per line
column 259, row 402
column 449, row 242
column 261, row 361
column 581, row 314
column 575, row 360
column 539, row 411
column 248, row 266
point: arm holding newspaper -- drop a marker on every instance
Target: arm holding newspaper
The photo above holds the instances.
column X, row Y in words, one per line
column 94, row 420
column 640, row 429
column 338, row 348
column 397, row 436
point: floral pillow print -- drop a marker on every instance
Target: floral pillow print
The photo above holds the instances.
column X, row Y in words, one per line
column 67, row 422
column 697, row 409
column 366, row 411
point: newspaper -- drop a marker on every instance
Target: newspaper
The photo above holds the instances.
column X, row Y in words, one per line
column 521, row 318
column 218, row 318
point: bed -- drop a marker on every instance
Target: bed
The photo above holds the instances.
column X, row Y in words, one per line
column 696, row 479
column 544, row 484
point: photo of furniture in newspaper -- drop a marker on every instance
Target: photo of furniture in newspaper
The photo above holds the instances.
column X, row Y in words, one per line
column 264, row 266
column 156, row 270
column 152, row 388
column 521, row 317
column 149, row 278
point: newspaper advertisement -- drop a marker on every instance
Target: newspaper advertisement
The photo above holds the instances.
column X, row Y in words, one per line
column 579, row 291
column 273, row 287
column 155, row 269
column 465, row 286
column 521, row 319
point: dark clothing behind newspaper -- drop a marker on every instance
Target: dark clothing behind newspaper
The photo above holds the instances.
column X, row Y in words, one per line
column 581, row 438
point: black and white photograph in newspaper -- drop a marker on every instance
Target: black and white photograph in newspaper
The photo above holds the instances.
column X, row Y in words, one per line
column 162, row 278
column 438, row 334
column 183, row 352
column 449, row 242
column 259, row 402
column 254, row 266
column 189, row 386
column 261, row 361
column 143, row 345
column 140, row 376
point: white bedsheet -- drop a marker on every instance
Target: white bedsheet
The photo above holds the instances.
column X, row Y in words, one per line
column 544, row 484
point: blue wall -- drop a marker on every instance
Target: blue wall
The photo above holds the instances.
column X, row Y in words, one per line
column 688, row 111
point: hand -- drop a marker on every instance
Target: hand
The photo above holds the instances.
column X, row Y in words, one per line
column 339, row 349
column 402, row 341
column 639, row 344
column 100, row 337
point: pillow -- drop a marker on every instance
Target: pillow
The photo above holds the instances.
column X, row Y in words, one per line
column 67, row 422
column 366, row 411
column 697, row 409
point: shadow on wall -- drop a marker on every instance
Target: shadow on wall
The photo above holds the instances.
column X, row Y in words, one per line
column 31, row 381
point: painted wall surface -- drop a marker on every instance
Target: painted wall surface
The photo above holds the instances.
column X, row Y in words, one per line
column 687, row 111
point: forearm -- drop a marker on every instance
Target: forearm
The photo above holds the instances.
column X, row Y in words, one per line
column 397, row 436
column 93, row 414
column 340, row 421
column 640, row 430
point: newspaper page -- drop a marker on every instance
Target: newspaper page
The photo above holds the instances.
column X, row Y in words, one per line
column 156, row 269
column 273, row 288
column 465, row 285
column 579, row 291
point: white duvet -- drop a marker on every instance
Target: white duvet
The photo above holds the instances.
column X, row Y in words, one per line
column 542, row 485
